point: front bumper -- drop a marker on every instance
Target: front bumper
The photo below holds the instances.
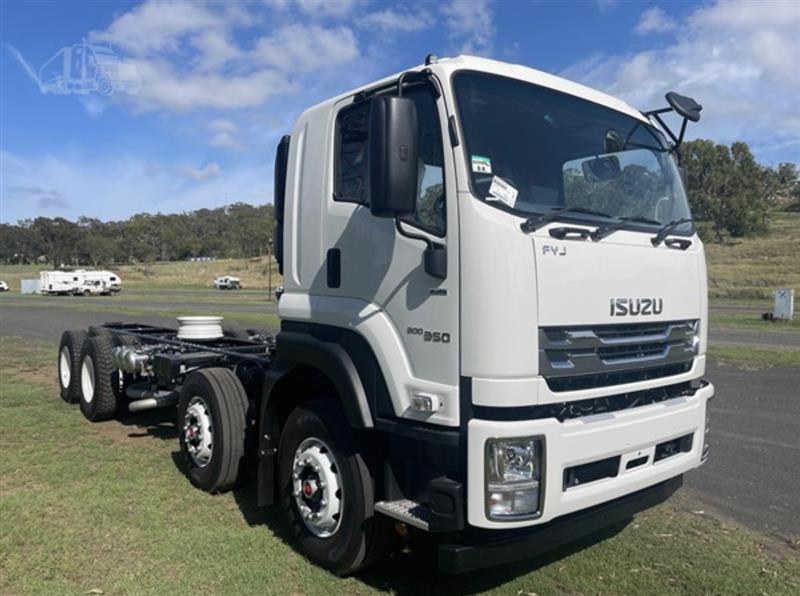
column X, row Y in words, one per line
column 631, row 435
column 523, row 544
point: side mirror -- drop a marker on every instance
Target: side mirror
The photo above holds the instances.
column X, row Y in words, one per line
column 684, row 106
column 393, row 156
column 601, row 169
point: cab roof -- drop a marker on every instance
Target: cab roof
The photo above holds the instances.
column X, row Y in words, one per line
column 448, row 66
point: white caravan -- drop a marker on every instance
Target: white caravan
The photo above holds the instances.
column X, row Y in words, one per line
column 71, row 282
column 493, row 326
column 59, row 283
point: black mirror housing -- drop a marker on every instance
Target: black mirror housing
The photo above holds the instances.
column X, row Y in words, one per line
column 684, row 106
column 393, row 156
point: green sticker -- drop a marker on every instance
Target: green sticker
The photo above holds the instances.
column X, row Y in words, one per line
column 481, row 164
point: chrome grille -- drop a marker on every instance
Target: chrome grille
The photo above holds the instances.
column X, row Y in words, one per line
column 578, row 357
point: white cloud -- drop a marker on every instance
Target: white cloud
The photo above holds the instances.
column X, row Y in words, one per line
column 120, row 186
column 470, row 25
column 606, row 5
column 654, row 20
column 190, row 55
column 157, row 26
column 224, row 135
column 737, row 59
column 392, row 20
column 326, row 8
column 305, row 48
column 210, row 170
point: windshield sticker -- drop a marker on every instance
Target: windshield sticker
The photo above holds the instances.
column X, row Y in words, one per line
column 500, row 190
column 481, row 164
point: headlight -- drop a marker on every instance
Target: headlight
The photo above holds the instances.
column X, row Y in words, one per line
column 513, row 478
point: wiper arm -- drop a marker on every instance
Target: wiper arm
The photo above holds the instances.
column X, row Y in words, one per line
column 607, row 230
column 535, row 222
column 666, row 229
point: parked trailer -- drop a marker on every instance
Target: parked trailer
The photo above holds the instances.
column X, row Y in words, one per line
column 65, row 283
column 463, row 351
column 59, row 283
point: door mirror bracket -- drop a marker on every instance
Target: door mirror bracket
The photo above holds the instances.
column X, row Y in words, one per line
column 435, row 257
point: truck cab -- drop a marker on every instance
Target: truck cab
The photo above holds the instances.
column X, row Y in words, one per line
column 509, row 282
column 492, row 326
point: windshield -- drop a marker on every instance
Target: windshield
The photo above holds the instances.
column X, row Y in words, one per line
column 531, row 150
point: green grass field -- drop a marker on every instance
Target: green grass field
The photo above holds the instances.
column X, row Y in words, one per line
column 105, row 508
column 749, row 269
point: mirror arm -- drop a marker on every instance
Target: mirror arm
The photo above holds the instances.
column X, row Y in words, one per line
column 435, row 262
column 425, row 74
column 411, row 235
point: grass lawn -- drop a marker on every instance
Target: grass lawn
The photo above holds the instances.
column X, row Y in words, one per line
column 755, row 358
column 751, row 268
column 105, row 508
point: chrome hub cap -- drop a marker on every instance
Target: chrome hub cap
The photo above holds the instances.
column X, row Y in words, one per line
column 64, row 369
column 316, row 486
column 197, row 432
column 87, row 380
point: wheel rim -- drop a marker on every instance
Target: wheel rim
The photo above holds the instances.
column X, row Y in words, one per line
column 197, row 432
column 316, row 487
column 87, row 379
column 64, row 368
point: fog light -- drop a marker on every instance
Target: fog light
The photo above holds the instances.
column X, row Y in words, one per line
column 513, row 478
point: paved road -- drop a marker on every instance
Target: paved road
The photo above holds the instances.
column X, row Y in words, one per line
column 753, row 471
column 753, row 474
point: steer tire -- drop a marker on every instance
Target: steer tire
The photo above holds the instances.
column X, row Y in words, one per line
column 214, row 395
column 69, row 352
column 361, row 537
column 99, row 380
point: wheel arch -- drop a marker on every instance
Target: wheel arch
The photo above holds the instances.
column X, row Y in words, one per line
column 307, row 368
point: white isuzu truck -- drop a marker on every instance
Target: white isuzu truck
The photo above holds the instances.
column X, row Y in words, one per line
column 493, row 324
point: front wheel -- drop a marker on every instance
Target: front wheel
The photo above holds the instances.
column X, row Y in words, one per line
column 327, row 490
column 212, row 418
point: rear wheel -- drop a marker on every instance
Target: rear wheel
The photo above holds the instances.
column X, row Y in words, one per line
column 327, row 490
column 69, row 351
column 99, row 380
column 212, row 417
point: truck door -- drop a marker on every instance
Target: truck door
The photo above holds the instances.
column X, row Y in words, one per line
column 383, row 270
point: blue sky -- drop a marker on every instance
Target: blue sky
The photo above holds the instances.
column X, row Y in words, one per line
column 220, row 82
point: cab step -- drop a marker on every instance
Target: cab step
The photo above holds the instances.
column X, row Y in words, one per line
column 406, row 511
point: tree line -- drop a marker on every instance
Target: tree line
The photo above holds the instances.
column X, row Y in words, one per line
column 238, row 230
column 728, row 190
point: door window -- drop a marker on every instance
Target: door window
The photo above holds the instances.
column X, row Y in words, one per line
column 352, row 165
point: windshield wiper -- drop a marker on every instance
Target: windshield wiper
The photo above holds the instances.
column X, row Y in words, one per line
column 609, row 229
column 535, row 222
column 666, row 229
